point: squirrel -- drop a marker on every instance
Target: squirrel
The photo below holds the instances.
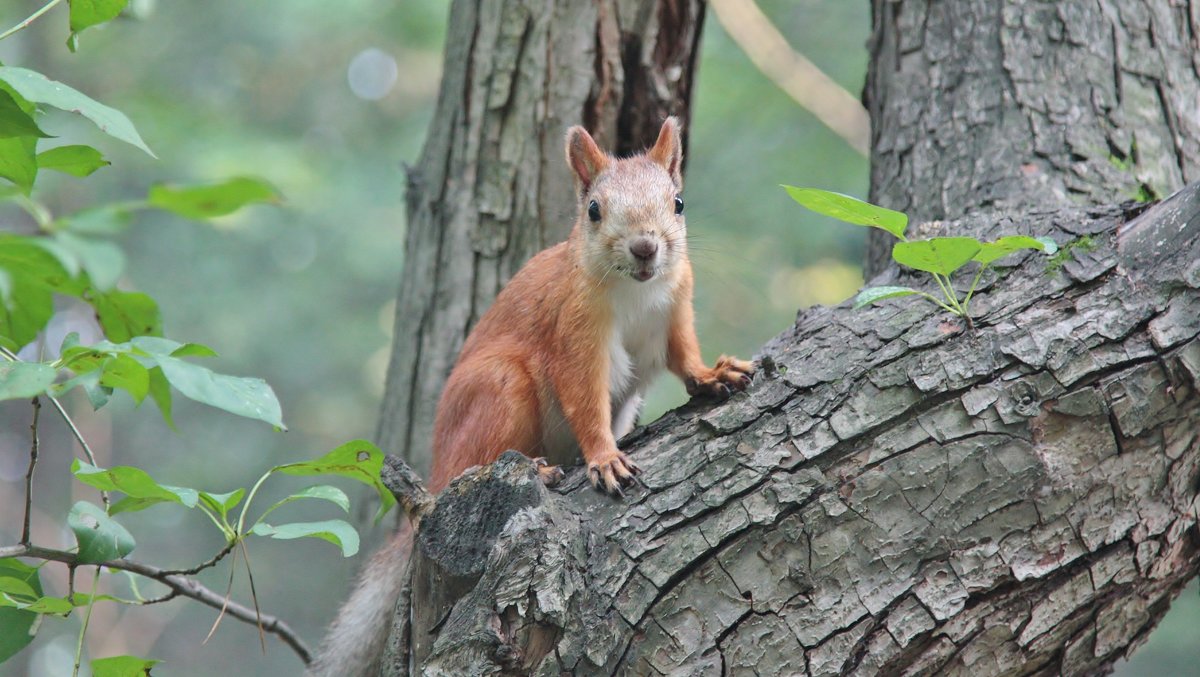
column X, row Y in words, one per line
column 558, row 365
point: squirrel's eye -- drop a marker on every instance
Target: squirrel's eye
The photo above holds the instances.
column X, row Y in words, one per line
column 678, row 205
column 594, row 211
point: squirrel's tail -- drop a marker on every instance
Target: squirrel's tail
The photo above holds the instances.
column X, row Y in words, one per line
column 354, row 644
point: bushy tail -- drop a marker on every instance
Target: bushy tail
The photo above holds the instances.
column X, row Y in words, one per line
column 354, row 644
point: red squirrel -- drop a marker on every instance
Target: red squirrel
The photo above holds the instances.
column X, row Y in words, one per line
column 558, row 366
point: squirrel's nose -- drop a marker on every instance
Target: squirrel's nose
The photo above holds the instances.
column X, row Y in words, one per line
column 643, row 248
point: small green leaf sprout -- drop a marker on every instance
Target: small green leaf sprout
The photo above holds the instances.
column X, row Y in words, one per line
column 941, row 257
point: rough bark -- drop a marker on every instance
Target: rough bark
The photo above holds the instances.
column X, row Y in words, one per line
column 985, row 104
column 491, row 187
column 895, row 493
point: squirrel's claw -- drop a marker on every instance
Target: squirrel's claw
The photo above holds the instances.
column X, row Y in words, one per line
column 612, row 472
column 550, row 475
column 730, row 375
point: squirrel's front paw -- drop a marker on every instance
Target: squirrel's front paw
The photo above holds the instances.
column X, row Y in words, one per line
column 550, row 475
column 611, row 471
column 730, row 375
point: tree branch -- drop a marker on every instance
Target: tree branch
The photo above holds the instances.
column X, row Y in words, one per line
column 179, row 585
column 33, row 456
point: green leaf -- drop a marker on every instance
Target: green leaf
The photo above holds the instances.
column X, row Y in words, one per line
column 25, row 313
column 338, row 532
column 18, row 161
column 323, row 492
column 100, row 538
column 249, row 397
column 359, row 460
column 222, row 503
column 990, row 251
column 85, row 13
column 204, row 202
column 193, row 350
column 36, row 87
column 160, row 392
column 124, row 315
column 102, row 260
column 56, row 606
column 942, row 255
column 134, row 483
column 16, row 626
column 24, row 380
column 15, row 120
column 97, row 394
column 123, row 666
column 126, row 373
column 74, row 160
column 39, row 261
column 872, row 294
column 850, row 210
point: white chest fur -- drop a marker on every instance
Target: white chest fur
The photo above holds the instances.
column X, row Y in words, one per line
column 637, row 347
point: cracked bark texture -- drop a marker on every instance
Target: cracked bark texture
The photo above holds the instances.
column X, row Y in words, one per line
column 984, row 104
column 491, row 187
column 894, row 494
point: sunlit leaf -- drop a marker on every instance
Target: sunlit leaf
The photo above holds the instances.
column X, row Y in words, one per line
column 872, row 294
column 126, row 373
column 359, row 460
column 122, row 666
column 338, row 532
column 135, row 483
column 85, row 13
column 37, row 88
column 100, row 538
column 160, row 392
column 193, row 350
column 74, row 160
column 208, row 201
column 850, row 210
column 942, row 255
column 28, row 309
column 991, row 251
column 124, row 315
column 102, row 260
column 104, row 220
column 16, row 625
column 249, row 397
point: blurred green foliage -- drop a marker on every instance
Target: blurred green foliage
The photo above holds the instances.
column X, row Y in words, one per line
column 302, row 295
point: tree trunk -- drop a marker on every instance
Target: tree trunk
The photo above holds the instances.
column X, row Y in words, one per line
column 491, row 187
column 895, row 494
column 1022, row 104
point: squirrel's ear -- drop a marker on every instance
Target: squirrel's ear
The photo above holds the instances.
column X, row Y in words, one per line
column 584, row 157
column 668, row 150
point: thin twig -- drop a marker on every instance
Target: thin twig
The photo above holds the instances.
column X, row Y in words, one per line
column 201, row 567
column 33, row 457
column 87, row 619
column 186, row 587
column 262, row 639
column 30, row 19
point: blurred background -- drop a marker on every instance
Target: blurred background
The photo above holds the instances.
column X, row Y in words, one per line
column 328, row 101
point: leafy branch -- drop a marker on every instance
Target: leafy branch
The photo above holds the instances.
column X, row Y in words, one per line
column 941, row 257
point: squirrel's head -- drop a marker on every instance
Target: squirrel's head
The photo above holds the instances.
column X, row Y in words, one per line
column 630, row 220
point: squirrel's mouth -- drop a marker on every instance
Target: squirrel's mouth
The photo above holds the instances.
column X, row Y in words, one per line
column 643, row 274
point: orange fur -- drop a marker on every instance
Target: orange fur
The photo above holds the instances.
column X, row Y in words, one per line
column 571, row 341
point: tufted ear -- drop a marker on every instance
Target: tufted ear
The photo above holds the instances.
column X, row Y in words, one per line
column 584, row 157
column 668, row 150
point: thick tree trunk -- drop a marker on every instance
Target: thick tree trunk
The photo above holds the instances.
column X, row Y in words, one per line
column 491, row 188
column 895, row 494
column 1020, row 104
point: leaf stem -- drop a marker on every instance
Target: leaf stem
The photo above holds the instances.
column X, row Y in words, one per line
column 33, row 457
column 938, row 301
column 948, row 290
column 87, row 618
column 30, row 19
column 978, row 274
column 250, row 497
column 87, row 450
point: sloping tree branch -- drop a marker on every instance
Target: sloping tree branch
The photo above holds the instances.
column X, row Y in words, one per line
column 894, row 494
